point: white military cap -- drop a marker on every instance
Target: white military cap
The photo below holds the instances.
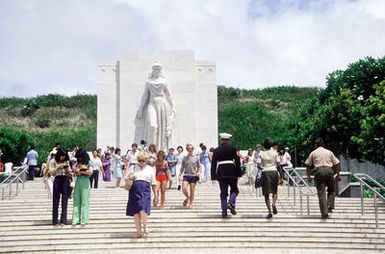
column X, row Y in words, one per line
column 225, row 136
column 287, row 148
column 156, row 63
column 54, row 151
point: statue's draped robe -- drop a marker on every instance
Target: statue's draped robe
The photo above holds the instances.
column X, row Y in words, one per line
column 157, row 114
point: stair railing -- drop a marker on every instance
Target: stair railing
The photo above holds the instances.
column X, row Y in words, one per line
column 302, row 185
column 18, row 176
column 361, row 177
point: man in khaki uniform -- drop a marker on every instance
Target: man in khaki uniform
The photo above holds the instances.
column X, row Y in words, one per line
column 325, row 164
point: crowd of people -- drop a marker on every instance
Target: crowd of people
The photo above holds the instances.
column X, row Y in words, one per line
column 72, row 175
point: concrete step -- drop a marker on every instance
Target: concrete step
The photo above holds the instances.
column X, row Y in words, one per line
column 25, row 225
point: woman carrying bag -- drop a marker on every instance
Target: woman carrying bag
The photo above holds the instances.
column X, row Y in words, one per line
column 271, row 176
column 139, row 196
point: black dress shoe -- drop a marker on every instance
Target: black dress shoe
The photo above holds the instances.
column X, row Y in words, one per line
column 325, row 216
column 274, row 209
column 330, row 210
column 224, row 214
column 269, row 216
column 232, row 209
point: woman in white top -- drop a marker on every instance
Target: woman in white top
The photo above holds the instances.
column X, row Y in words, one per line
column 153, row 154
column 250, row 166
column 179, row 158
column 269, row 162
column 139, row 196
column 117, row 167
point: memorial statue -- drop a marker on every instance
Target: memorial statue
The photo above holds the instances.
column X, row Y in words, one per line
column 156, row 109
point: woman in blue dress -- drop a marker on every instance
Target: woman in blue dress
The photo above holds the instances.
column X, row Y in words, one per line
column 139, row 196
column 117, row 166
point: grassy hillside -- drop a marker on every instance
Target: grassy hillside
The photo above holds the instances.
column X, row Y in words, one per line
column 251, row 115
column 46, row 120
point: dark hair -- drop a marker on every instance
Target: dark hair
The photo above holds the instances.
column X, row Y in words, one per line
column 82, row 156
column 142, row 142
column 180, row 148
column 161, row 153
column 134, row 144
column 61, row 152
column 319, row 141
column 107, row 154
column 267, row 144
column 204, row 147
column 117, row 150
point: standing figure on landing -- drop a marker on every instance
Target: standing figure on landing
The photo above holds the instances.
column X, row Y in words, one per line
column 226, row 168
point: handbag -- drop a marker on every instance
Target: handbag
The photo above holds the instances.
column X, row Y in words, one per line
column 128, row 184
column 258, row 179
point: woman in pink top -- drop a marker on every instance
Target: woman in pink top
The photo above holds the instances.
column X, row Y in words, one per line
column 161, row 167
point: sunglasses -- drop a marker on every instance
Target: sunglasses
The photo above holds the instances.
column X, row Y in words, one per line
column 141, row 161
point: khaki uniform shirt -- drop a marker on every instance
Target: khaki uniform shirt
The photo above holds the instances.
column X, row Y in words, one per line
column 322, row 157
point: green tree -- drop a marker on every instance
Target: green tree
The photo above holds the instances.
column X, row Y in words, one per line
column 371, row 139
column 337, row 114
column 14, row 145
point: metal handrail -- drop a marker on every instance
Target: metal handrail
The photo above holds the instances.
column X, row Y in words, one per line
column 16, row 177
column 360, row 177
column 12, row 175
column 300, row 187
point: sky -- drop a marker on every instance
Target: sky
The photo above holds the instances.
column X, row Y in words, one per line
column 55, row 46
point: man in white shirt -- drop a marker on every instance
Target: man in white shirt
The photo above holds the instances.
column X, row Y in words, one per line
column 97, row 167
column 32, row 157
column 8, row 168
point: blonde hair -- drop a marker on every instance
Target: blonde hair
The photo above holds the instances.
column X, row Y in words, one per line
column 142, row 156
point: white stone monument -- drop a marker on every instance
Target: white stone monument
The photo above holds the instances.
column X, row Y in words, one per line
column 164, row 97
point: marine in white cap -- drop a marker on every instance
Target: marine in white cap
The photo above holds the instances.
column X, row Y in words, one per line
column 225, row 136
column 226, row 168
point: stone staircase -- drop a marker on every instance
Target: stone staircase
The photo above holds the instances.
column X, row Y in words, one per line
column 25, row 225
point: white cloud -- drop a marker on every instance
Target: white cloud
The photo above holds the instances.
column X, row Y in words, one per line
column 55, row 46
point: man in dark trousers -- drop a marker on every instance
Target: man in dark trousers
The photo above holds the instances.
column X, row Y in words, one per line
column 226, row 168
